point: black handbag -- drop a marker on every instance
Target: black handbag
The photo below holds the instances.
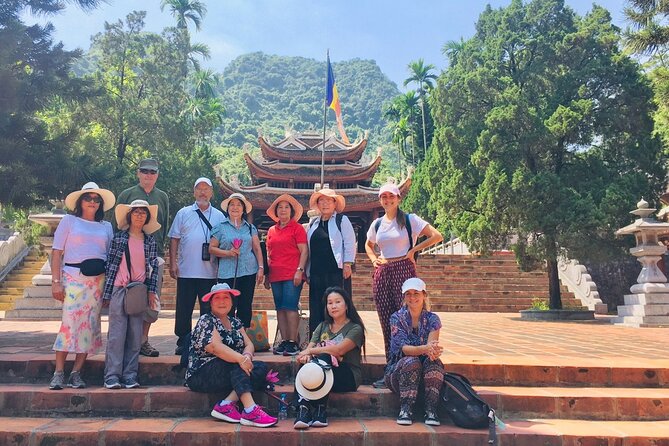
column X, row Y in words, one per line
column 465, row 407
column 136, row 299
column 90, row 267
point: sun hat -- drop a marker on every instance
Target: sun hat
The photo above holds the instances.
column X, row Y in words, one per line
column 340, row 201
column 149, row 163
column 390, row 187
column 91, row 187
column 314, row 380
column 202, row 180
column 122, row 210
column 247, row 204
column 297, row 207
column 413, row 284
column 220, row 288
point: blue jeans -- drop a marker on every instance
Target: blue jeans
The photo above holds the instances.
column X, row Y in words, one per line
column 286, row 295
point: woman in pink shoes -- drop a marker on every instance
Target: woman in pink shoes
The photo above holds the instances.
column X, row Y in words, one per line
column 220, row 360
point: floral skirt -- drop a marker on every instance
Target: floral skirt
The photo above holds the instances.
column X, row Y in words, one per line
column 80, row 329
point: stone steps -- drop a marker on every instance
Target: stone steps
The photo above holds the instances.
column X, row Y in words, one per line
column 595, row 403
column 341, row 431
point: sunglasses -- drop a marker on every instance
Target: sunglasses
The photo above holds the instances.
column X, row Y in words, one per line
column 93, row 198
column 148, row 171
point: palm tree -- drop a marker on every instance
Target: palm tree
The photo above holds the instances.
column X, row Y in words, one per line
column 400, row 134
column 420, row 74
column 647, row 17
column 185, row 11
column 404, row 106
column 204, row 83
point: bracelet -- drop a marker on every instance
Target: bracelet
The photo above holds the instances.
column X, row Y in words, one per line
column 261, row 267
column 300, row 269
column 55, row 280
column 248, row 355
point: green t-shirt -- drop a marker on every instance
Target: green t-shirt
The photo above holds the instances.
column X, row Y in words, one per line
column 156, row 196
column 351, row 331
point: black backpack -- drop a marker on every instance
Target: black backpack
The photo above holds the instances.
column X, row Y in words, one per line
column 407, row 224
column 465, row 407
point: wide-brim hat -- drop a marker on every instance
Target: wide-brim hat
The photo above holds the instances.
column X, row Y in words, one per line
column 340, row 201
column 297, row 207
column 247, row 204
column 314, row 380
column 220, row 288
column 91, row 187
column 122, row 210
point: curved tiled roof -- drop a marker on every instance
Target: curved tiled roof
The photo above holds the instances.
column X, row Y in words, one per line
column 309, row 149
column 345, row 172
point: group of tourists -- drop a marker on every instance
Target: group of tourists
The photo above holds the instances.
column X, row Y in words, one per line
column 216, row 257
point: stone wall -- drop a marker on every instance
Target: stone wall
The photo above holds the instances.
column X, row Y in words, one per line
column 614, row 279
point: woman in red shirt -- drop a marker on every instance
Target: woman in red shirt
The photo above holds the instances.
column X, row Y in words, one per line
column 286, row 256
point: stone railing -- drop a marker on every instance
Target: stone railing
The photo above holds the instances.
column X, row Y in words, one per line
column 12, row 251
column 451, row 247
column 575, row 276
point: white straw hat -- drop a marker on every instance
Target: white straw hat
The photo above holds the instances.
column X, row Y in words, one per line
column 92, row 188
column 122, row 211
column 314, row 380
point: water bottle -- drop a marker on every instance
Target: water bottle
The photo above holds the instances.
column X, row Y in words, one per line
column 283, row 408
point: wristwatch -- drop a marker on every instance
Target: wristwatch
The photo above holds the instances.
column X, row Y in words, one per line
column 299, row 268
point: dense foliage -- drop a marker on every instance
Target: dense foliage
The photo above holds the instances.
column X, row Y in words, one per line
column 543, row 130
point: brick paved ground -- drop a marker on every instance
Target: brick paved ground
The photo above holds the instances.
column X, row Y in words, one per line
column 479, row 337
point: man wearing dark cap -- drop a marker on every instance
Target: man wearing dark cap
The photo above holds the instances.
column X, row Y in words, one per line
column 147, row 174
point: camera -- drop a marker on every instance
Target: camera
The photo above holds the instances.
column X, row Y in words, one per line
column 205, row 252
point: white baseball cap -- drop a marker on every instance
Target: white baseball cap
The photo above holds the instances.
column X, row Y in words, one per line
column 413, row 284
column 202, row 180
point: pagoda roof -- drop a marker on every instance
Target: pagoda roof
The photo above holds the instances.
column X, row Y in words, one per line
column 308, row 147
column 359, row 198
column 347, row 171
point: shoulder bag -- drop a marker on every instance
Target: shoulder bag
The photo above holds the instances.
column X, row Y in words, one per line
column 136, row 299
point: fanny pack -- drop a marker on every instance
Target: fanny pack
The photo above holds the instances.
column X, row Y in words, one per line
column 136, row 299
column 90, row 267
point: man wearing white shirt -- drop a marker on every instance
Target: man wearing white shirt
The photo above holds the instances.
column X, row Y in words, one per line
column 194, row 270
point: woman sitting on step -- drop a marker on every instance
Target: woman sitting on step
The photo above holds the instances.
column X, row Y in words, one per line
column 332, row 359
column 133, row 257
column 414, row 354
column 220, row 360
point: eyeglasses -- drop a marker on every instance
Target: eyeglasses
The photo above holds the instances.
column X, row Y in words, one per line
column 93, row 198
column 148, row 171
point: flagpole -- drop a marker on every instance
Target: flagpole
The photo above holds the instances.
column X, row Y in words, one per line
column 325, row 119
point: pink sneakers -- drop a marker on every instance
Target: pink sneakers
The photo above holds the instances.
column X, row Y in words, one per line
column 227, row 412
column 257, row 418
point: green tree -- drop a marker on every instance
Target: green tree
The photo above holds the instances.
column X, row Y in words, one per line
column 543, row 131
column 421, row 75
column 648, row 18
column 34, row 72
column 185, row 11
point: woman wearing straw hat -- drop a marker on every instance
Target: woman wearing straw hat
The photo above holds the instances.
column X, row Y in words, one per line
column 235, row 242
column 331, row 250
column 78, row 259
column 286, row 256
column 395, row 234
column 135, row 222
column 220, row 360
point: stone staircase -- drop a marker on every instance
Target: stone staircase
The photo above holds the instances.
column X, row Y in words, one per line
column 12, row 288
column 456, row 283
column 541, row 404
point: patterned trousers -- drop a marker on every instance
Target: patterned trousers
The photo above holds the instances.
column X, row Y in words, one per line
column 387, row 292
column 410, row 371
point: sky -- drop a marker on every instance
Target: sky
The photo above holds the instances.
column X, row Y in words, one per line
column 387, row 31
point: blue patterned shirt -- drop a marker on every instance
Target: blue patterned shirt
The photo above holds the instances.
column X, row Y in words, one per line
column 402, row 333
column 202, row 334
column 115, row 256
column 225, row 233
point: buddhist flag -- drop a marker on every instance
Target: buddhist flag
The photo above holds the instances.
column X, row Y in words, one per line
column 332, row 101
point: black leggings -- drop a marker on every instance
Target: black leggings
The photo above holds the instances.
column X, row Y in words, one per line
column 218, row 376
column 242, row 305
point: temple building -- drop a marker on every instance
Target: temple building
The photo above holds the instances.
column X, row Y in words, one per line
column 293, row 166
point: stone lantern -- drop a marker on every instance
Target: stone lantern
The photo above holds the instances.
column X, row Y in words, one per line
column 648, row 305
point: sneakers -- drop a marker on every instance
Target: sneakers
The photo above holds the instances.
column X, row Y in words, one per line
column 380, row 383
column 227, row 412
column 112, row 383
column 291, row 349
column 431, row 418
column 148, row 350
column 280, row 349
column 303, row 419
column 320, row 417
column 130, row 383
column 257, row 418
column 405, row 416
column 58, row 381
column 75, row 381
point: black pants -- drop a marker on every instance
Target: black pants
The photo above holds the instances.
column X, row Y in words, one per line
column 242, row 305
column 218, row 376
column 187, row 290
column 318, row 283
column 343, row 382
